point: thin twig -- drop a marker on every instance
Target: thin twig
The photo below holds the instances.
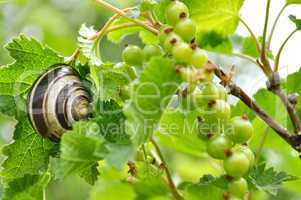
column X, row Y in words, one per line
column 252, row 33
column 290, row 109
column 168, row 174
column 277, row 60
column 121, row 26
column 264, row 57
column 123, row 14
column 274, row 26
column 249, row 58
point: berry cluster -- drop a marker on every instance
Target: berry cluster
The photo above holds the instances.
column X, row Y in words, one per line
column 226, row 137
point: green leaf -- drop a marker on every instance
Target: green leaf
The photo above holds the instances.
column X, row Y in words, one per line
column 87, row 45
column 111, row 83
column 297, row 22
column 119, row 154
column 31, row 59
column 293, row 1
column 215, row 42
column 150, row 96
column 218, row 16
column 111, row 121
column 28, row 154
column 8, row 105
column 148, row 37
column 78, row 151
column 112, row 190
column 267, row 179
column 118, row 35
column 249, row 47
column 30, row 187
column 206, row 189
column 151, row 181
column 240, row 109
column 179, row 131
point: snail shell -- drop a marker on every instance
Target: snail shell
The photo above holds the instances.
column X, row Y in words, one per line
column 56, row 101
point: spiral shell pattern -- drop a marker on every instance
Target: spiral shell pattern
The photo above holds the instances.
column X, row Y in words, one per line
column 56, row 101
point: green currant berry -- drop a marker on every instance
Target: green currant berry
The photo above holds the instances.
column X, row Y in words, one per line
column 210, row 91
column 171, row 40
column 127, row 69
column 182, row 52
column 186, row 28
column 238, row 187
column 151, row 51
column 218, row 146
column 187, row 74
column 223, row 95
column 249, row 153
column 237, row 164
column 242, row 129
column 217, row 110
column 132, row 55
column 175, row 11
column 199, row 58
column 125, row 92
column 164, row 32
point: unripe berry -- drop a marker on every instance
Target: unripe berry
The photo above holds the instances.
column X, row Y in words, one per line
column 217, row 147
column 175, row 11
column 237, row 165
column 171, row 40
column 217, row 110
column 199, row 58
column 238, row 187
column 186, row 28
column 151, row 51
column 242, row 130
column 132, row 55
column 182, row 52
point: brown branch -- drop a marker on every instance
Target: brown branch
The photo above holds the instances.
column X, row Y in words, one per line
column 172, row 185
column 294, row 140
column 274, row 86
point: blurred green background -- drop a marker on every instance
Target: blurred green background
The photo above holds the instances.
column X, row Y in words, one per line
column 56, row 23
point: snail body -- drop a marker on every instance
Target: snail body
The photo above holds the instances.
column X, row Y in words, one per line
column 56, row 101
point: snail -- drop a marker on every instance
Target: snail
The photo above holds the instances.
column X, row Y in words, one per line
column 57, row 100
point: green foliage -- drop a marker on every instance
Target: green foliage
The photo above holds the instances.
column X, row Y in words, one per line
column 217, row 16
column 179, row 131
column 293, row 1
column 131, row 105
column 267, row 179
column 160, row 80
column 296, row 21
column 249, row 47
column 29, row 187
column 212, row 41
column 32, row 59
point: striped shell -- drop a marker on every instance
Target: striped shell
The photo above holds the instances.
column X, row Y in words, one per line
column 56, row 101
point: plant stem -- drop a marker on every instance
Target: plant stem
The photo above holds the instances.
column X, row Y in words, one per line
column 123, row 14
column 261, row 144
column 277, row 60
column 245, row 57
column 274, row 26
column 172, row 185
column 117, row 27
column 252, row 33
column 290, row 109
column 264, row 57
